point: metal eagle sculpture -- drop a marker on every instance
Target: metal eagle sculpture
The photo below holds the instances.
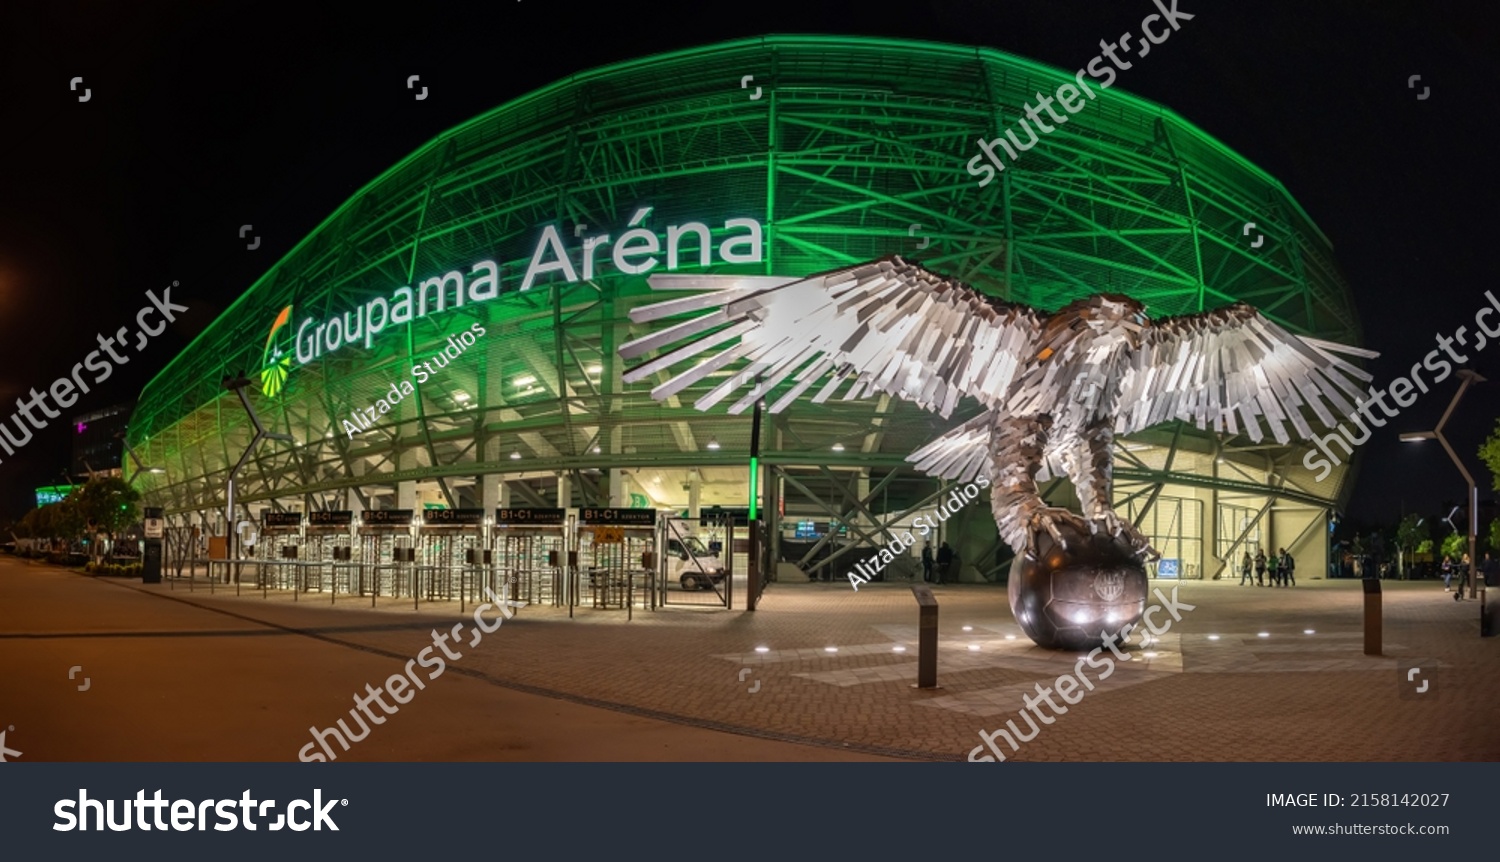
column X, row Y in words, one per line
column 1057, row 387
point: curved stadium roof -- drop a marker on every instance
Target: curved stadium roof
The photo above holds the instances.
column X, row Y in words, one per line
column 851, row 143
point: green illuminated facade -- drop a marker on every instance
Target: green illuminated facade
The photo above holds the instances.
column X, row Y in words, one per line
column 531, row 230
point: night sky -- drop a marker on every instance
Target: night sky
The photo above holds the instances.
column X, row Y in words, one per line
column 206, row 117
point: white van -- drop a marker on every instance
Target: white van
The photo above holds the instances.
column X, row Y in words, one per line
column 692, row 564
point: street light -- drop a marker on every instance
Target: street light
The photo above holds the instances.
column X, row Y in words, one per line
column 1469, row 377
column 237, row 384
column 139, row 467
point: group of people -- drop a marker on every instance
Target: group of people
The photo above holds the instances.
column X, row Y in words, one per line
column 1489, row 569
column 944, row 562
column 1281, row 567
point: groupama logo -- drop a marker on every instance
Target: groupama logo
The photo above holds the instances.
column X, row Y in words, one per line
column 276, row 363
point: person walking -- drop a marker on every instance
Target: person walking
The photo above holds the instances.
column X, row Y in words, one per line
column 1288, row 569
column 1463, row 578
column 1260, row 567
column 944, row 560
column 1447, row 574
column 1490, row 568
column 1273, row 570
column 927, row 563
column 1247, row 568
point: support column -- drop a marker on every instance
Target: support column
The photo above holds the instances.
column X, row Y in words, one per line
column 491, row 493
column 406, row 494
column 695, row 490
column 1209, row 561
column 564, row 491
column 619, row 488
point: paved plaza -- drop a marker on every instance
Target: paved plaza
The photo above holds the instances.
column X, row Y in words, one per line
column 1250, row 674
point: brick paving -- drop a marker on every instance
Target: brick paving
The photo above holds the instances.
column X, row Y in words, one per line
column 1284, row 696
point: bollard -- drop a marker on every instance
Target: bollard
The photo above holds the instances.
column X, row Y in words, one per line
column 1372, row 616
column 927, row 637
column 1489, row 614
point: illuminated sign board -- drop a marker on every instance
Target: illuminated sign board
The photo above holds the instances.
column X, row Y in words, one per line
column 283, row 519
column 520, row 517
column 52, row 494
column 454, row 517
column 618, row 517
column 807, row 530
column 391, row 517
column 334, row 518
column 636, row 251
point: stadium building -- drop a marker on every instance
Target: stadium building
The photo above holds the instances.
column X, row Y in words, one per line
column 447, row 339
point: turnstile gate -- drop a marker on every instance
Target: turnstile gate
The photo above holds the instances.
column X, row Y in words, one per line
column 451, row 554
column 328, row 543
column 530, row 553
column 617, row 553
column 278, row 549
column 387, row 554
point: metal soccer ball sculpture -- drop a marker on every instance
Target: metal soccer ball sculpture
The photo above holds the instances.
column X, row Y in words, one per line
column 1066, row 597
column 1056, row 389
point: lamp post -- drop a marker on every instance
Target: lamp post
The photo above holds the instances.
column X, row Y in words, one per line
column 135, row 459
column 1469, row 377
column 753, row 575
column 237, row 385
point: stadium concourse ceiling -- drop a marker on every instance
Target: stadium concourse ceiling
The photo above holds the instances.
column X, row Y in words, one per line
column 460, row 315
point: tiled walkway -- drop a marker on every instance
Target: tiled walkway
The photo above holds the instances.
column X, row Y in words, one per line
column 1249, row 674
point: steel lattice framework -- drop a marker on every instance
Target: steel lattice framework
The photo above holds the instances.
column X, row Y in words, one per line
column 850, row 144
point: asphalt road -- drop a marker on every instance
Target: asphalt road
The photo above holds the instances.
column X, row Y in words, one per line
column 171, row 681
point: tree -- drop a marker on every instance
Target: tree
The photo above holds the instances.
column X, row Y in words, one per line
column 1456, row 545
column 1411, row 531
column 1494, row 536
column 68, row 521
column 108, row 503
column 1489, row 453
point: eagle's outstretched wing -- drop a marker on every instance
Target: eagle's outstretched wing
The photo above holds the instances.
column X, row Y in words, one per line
column 891, row 325
column 1232, row 368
